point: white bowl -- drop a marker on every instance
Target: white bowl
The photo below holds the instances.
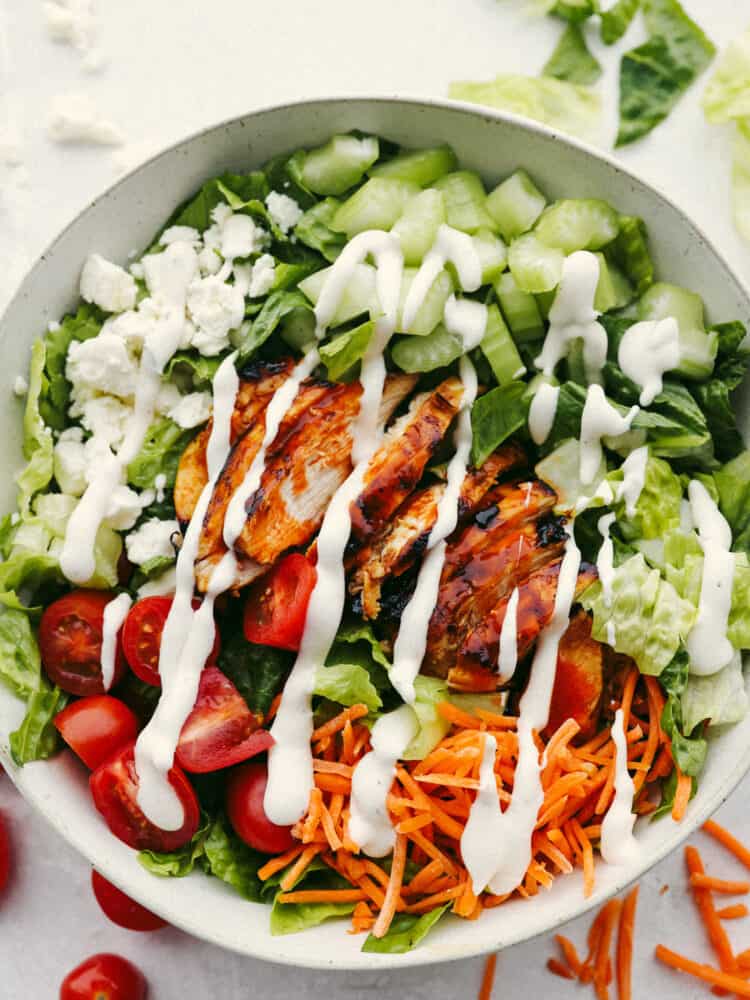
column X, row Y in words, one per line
column 125, row 218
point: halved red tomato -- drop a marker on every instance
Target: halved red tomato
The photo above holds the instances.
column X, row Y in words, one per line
column 141, row 637
column 97, row 726
column 121, row 909
column 246, row 790
column 221, row 730
column 70, row 641
column 114, row 786
column 276, row 605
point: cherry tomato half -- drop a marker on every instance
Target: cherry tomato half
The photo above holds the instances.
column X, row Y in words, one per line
column 114, row 785
column 245, row 790
column 121, row 909
column 221, row 730
column 97, row 726
column 141, row 637
column 104, row 977
column 70, row 641
column 4, row 854
column 276, row 605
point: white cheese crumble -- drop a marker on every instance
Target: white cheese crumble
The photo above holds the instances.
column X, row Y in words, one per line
column 106, row 418
column 179, row 234
column 100, row 365
column 71, row 22
column 192, row 409
column 53, row 326
column 20, row 386
column 240, row 237
column 125, row 507
column 107, row 285
column 209, row 261
column 160, row 485
column 216, row 308
column 75, row 119
column 152, row 539
column 168, row 274
column 284, row 211
column 70, row 462
column 262, row 276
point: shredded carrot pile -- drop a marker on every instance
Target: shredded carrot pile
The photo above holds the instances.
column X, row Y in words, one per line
column 430, row 800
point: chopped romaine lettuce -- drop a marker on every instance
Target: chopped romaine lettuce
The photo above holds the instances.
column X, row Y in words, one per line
column 561, row 470
column 733, row 485
column 314, row 229
column 279, row 306
column 36, row 738
column 727, row 95
column 616, row 20
column 688, row 750
column 177, row 864
column 84, row 324
column 38, row 446
column 430, row 691
column 237, row 190
column 160, row 454
column 405, row 933
column 258, row 672
column 347, row 684
column 719, row 699
column 231, row 860
column 495, row 416
column 658, row 508
column 290, row 918
column 572, row 60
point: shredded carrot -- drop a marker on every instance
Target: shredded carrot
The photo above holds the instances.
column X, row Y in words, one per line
column 488, row 977
column 558, row 969
column 338, row 722
column 322, row 896
column 569, row 953
column 611, row 912
column 393, row 891
column 704, row 903
column 414, row 823
column 734, row 912
column 458, row 717
column 705, row 972
column 681, row 795
column 332, row 767
column 725, row 838
column 720, row 885
column 362, row 918
column 297, row 870
column 588, row 858
column 333, row 783
column 743, row 959
column 624, row 955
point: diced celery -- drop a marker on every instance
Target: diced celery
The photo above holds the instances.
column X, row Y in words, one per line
column 630, row 250
column 297, row 329
column 697, row 348
column 520, row 310
column 360, row 295
column 535, row 266
column 430, row 313
column 419, row 223
column 421, row 166
column 340, row 164
column 515, row 205
column 613, row 290
column 493, row 254
column 465, row 200
column 376, row 205
column 498, row 347
column 578, row 224
column 341, row 353
column 425, row 354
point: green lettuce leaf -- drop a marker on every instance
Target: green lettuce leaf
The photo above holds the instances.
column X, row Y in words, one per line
column 235, row 189
column 278, row 306
column 160, row 454
column 55, row 395
column 658, row 508
column 201, row 370
column 727, row 95
column 20, row 662
column 616, row 21
column 230, row 859
column 177, row 864
column 688, row 751
column 561, row 470
column 290, row 918
column 571, row 59
column 36, row 738
column 38, row 446
column 676, row 428
column 630, row 252
column 720, row 699
column 347, row 684
column 313, row 229
column 344, row 351
column 733, row 485
column 495, row 416
column 406, row 932
column 430, row 691
column 361, row 633
column 258, row 672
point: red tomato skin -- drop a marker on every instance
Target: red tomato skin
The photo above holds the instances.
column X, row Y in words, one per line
column 4, row 854
column 70, row 642
column 121, row 909
column 141, row 637
column 104, row 977
column 276, row 606
column 114, row 785
column 245, row 790
column 221, row 730
column 95, row 727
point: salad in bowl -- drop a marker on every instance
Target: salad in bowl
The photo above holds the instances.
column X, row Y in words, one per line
column 382, row 546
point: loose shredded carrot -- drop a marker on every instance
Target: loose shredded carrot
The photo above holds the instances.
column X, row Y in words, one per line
column 611, row 912
column 725, row 838
column 704, row 972
column 488, row 977
column 735, row 912
column 624, row 956
column 702, row 897
column 569, row 953
column 558, row 969
column 728, row 888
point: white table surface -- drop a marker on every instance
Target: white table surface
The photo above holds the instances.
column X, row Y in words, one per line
column 173, row 66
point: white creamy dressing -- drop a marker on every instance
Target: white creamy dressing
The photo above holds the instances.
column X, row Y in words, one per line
column 605, row 565
column 634, row 479
column 115, row 614
column 188, row 636
column 599, row 420
column 484, row 827
column 707, row 644
column 369, row 822
column 542, row 412
column 572, row 317
column 290, row 773
column 450, row 247
column 648, row 350
column 618, row 846
column 513, row 838
column 507, row 659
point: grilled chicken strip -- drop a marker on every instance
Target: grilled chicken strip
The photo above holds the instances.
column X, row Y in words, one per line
column 476, row 668
column 402, row 540
column 579, row 681
column 258, row 383
column 304, row 467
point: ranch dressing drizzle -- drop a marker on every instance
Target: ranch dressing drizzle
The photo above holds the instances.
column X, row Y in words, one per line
column 513, row 841
column 507, row 659
column 634, row 478
column 115, row 613
column 648, row 350
column 188, row 636
column 599, row 419
column 605, row 565
column 542, row 412
column 707, row 644
column 483, row 830
column 572, row 317
column 369, row 823
column 290, row 774
column 618, row 846
column 450, row 246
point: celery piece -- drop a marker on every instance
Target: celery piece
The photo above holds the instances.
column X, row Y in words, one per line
column 360, row 295
column 341, row 353
column 697, row 348
column 498, row 347
column 376, row 205
column 535, row 266
column 421, row 166
column 578, row 224
column 515, row 204
column 425, row 354
column 465, row 200
column 338, row 165
column 430, row 313
column 613, row 290
column 419, row 223
column 520, row 310
column 493, row 254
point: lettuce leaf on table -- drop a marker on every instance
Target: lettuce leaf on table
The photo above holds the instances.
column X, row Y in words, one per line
column 616, row 20
column 571, row 59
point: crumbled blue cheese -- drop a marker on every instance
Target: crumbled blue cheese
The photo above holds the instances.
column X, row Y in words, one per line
column 215, row 308
column 107, row 285
column 100, row 365
column 168, row 274
column 70, row 462
column 209, row 261
column 106, row 418
column 192, row 409
column 284, row 211
column 262, row 276
column 240, row 237
column 154, row 538
column 20, row 386
column 179, row 234
column 75, row 119
column 126, row 506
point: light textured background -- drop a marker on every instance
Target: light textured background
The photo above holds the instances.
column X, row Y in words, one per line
column 172, row 68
